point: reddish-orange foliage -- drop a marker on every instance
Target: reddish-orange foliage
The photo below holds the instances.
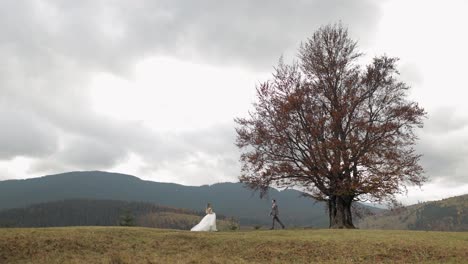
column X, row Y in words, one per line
column 339, row 131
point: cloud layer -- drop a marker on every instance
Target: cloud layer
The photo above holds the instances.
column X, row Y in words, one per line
column 444, row 145
column 51, row 50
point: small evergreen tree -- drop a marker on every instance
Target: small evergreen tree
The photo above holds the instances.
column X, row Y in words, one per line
column 127, row 219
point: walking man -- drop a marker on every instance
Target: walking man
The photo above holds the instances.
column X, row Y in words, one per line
column 274, row 213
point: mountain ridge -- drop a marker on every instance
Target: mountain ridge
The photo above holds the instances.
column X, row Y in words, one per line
column 230, row 199
column 449, row 214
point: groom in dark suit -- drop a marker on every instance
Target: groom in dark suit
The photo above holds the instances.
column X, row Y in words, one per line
column 274, row 213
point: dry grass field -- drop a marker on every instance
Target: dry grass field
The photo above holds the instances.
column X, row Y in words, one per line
column 147, row 245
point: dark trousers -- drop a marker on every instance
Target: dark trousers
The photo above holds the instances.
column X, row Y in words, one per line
column 275, row 218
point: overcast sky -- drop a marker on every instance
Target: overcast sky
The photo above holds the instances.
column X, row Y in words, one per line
column 150, row 88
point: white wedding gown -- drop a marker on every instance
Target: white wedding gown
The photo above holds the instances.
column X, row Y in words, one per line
column 208, row 223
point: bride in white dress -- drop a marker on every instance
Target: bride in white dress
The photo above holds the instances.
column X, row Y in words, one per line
column 208, row 223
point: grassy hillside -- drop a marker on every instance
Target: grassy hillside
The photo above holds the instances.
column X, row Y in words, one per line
column 450, row 214
column 85, row 212
column 146, row 245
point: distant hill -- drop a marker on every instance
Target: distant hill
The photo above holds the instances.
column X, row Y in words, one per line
column 84, row 212
column 229, row 199
column 450, row 214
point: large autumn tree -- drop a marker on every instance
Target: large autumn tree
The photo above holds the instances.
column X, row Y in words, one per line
column 337, row 130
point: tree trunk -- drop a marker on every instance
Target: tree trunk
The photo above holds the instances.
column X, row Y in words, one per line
column 339, row 210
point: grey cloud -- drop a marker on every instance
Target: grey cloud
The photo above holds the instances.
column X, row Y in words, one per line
column 444, row 145
column 193, row 157
column 88, row 154
column 41, row 167
column 206, row 156
column 445, row 120
column 82, row 153
column 411, row 75
column 92, row 142
column 445, row 158
column 216, row 139
column 243, row 31
column 110, row 36
column 25, row 134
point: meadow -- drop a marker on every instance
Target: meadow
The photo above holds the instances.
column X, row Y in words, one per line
column 148, row 245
